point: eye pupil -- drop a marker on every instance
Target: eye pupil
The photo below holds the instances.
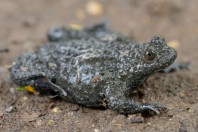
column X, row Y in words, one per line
column 150, row 55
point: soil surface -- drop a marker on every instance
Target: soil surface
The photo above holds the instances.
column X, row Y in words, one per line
column 23, row 27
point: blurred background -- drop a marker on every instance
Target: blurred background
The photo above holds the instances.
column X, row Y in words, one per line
column 23, row 28
column 24, row 23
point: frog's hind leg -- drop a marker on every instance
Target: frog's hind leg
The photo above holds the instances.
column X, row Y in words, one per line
column 58, row 34
column 118, row 101
column 46, row 86
column 128, row 106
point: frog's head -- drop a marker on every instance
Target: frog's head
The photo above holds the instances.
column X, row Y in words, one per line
column 157, row 55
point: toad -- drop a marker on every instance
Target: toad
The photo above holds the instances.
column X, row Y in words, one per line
column 93, row 67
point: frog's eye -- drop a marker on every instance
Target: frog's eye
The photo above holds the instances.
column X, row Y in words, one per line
column 150, row 55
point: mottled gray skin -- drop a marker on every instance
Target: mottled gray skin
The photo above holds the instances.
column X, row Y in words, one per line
column 93, row 70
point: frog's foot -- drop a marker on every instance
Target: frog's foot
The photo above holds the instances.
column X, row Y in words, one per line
column 177, row 67
column 128, row 106
column 153, row 108
column 56, row 34
column 101, row 26
column 45, row 86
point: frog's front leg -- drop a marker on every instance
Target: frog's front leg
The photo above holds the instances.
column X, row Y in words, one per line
column 118, row 101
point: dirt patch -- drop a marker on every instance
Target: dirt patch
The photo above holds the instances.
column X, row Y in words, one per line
column 23, row 28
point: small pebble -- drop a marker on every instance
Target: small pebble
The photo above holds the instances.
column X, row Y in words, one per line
column 75, row 26
column 174, row 44
column 50, row 122
column 12, row 90
column 190, row 110
column 93, row 125
column 70, row 113
column 149, row 124
column 182, row 94
column 9, row 109
column 39, row 122
column 96, row 130
column 56, row 110
column 135, row 119
column 25, row 98
column 94, row 8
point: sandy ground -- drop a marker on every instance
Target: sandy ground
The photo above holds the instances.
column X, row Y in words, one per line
column 23, row 27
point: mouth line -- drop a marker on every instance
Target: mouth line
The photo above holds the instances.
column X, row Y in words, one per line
column 170, row 60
